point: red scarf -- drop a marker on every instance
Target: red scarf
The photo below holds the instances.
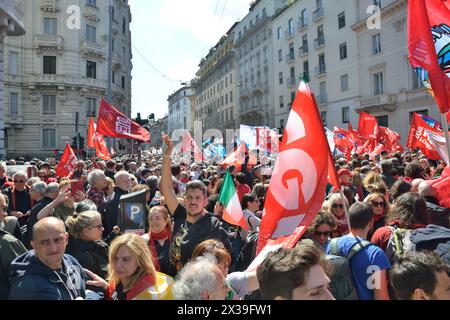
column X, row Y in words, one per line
column 152, row 236
column 142, row 284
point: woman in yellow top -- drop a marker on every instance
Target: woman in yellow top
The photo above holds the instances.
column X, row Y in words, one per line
column 132, row 275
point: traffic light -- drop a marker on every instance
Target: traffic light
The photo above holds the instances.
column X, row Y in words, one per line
column 74, row 144
column 81, row 139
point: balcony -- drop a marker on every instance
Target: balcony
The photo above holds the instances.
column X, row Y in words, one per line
column 115, row 27
column 48, row 42
column 290, row 58
column 91, row 13
column 290, row 82
column 302, row 24
column 288, row 34
column 317, row 14
column 14, row 120
column 116, row 60
column 319, row 42
column 50, row 5
column 303, row 51
column 385, row 101
column 92, row 49
column 320, row 70
column 322, row 98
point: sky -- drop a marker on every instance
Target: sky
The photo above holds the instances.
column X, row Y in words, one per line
column 169, row 37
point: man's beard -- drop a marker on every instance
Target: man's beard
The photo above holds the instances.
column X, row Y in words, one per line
column 194, row 214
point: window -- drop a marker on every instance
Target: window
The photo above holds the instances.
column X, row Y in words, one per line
column 321, row 63
column 280, row 55
column 226, row 99
column 226, row 82
column 341, row 20
column 124, row 24
column 345, row 114
column 49, row 65
column 320, row 34
column 291, row 27
column 123, row 82
column 282, row 124
column 322, row 92
column 323, row 116
column 50, row 25
column 113, row 77
column 279, row 33
column 91, row 33
column 231, row 79
column 303, row 18
column 343, row 51
column 281, row 101
column 344, row 83
column 48, row 105
column 231, row 97
column 292, row 77
column 91, row 104
column 376, row 44
column 48, row 138
column 280, row 78
column 91, row 3
column 13, row 103
column 291, row 51
column 318, row 4
column 231, row 114
column 383, row 121
column 378, row 84
column 305, row 43
column 91, row 69
column 417, row 82
column 13, row 63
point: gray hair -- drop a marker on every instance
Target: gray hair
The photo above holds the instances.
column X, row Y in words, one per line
column 120, row 173
column 3, row 166
column 425, row 189
column 94, row 175
column 40, row 187
column 196, row 277
column 76, row 223
column 33, row 180
column 21, row 173
column 52, row 187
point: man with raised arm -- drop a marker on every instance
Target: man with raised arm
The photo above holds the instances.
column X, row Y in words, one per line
column 192, row 223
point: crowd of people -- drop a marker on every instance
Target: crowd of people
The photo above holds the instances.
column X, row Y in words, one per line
column 384, row 237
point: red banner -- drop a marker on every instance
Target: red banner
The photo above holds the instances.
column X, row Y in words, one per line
column 66, row 163
column 427, row 35
column 297, row 187
column 418, row 137
column 368, row 126
column 112, row 123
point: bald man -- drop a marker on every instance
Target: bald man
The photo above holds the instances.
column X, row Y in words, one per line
column 46, row 273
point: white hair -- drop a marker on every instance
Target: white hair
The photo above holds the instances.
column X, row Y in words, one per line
column 196, row 277
column 94, row 175
column 52, row 187
column 425, row 189
column 21, row 173
column 40, row 187
column 120, row 173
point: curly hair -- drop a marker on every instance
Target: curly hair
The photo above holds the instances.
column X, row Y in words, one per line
column 409, row 209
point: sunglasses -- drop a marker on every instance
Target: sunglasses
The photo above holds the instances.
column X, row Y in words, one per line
column 325, row 233
column 378, row 204
column 340, row 206
column 19, row 181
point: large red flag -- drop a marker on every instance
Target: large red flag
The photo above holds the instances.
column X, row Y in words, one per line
column 368, row 126
column 418, row 138
column 101, row 149
column 297, row 188
column 91, row 133
column 112, row 123
column 66, row 163
column 428, row 44
column 237, row 157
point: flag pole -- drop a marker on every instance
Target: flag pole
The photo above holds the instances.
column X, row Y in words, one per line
column 447, row 139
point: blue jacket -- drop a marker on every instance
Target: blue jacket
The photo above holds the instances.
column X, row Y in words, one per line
column 30, row 279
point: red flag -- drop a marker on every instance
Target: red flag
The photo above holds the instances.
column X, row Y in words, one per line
column 267, row 139
column 101, row 149
column 427, row 35
column 418, row 137
column 66, row 163
column 112, row 123
column 342, row 138
column 237, row 157
column 368, row 125
column 390, row 139
column 91, row 133
column 189, row 145
column 297, row 187
column 333, row 178
column 354, row 136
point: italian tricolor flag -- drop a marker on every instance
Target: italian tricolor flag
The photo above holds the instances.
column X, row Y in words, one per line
column 228, row 197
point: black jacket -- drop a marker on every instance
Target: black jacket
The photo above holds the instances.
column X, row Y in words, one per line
column 111, row 213
column 433, row 238
column 92, row 255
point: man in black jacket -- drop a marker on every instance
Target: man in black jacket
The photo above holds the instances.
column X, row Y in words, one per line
column 192, row 223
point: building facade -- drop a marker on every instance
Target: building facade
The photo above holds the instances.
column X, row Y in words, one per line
column 57, row 73
column 255, row 70
column 156, row 128
column 215, row 83
column 11, row 24
column 180, row 109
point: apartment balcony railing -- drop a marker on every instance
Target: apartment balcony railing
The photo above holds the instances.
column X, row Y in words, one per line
column 50, row 5
column 47, row 41
column 320, row 70
column 92, row 13
column 302, row 23
column 318, row 14
column 319, row 42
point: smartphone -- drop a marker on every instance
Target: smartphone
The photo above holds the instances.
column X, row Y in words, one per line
column 76, row 185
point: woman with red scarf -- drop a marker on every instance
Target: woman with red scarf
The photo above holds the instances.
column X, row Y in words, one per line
column 159, row 237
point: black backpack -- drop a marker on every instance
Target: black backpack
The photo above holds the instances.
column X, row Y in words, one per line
column 248, row 252
column 341, row 285
column 432, row 238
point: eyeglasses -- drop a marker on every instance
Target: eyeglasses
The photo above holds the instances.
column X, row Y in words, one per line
column 340, row 206
column 99, row 226
column 378, row 204
column 325, row 233
column 19, row 181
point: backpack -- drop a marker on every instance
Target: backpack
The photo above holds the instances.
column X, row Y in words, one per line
column 433, row 238
column 341, row 285
column 248, row 252
column 399, row 243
